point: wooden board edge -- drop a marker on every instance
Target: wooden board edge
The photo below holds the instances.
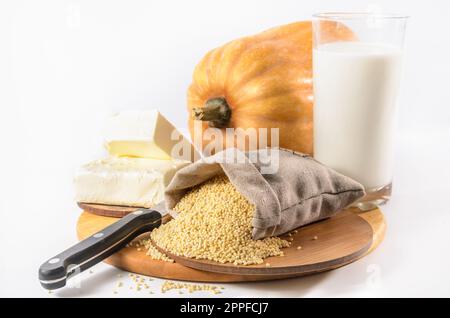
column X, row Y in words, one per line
column 375, row 218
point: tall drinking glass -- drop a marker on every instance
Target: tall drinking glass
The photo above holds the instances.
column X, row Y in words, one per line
column 357, row 60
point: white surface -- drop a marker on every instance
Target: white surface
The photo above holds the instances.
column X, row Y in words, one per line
column 67, row 64
column 353, row 117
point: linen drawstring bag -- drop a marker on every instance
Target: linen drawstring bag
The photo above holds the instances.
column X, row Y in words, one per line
column 288, row 189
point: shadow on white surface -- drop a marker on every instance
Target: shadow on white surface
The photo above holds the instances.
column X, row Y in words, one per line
column 294, row 287
column 90, row 283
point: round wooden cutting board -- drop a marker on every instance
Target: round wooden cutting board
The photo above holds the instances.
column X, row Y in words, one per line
column 340, row 240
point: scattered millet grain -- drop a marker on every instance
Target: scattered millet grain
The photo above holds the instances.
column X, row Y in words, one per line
column 299, row 247
column 315, row 238
column 214, row 222
column 169, row 285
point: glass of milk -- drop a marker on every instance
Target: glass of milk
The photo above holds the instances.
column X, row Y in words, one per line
column 357, row 60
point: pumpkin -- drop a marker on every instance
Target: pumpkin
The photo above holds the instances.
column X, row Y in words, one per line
column 260, row 81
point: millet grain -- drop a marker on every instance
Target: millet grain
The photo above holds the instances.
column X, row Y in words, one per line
column 214, row 222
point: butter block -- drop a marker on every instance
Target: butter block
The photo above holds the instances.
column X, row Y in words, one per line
column 125, row 181
column 146, row 134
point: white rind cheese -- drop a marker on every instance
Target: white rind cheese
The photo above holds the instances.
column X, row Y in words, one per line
column 124, row 181
column 146, row 134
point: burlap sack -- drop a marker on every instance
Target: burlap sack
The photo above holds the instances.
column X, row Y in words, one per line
column 288, row 189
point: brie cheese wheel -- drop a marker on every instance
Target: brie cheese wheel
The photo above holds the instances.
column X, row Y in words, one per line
column 124, row 181
column 146, row 134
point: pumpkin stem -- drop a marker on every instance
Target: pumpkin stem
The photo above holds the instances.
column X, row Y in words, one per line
column 216, row 112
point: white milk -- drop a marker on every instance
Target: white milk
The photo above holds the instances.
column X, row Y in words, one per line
column 355, row 87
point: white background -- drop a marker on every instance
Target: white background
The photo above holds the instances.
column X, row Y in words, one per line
column 65, row 65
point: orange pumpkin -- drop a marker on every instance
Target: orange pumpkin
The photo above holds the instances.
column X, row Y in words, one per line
column 260, row 81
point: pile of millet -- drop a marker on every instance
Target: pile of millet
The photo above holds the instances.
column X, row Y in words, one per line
column 214, row 223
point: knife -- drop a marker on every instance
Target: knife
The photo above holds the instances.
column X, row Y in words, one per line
column 54, row 272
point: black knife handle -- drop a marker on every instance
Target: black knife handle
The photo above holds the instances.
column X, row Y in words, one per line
column 54, row 272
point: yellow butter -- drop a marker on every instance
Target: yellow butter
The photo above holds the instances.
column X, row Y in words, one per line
column 146, row 134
